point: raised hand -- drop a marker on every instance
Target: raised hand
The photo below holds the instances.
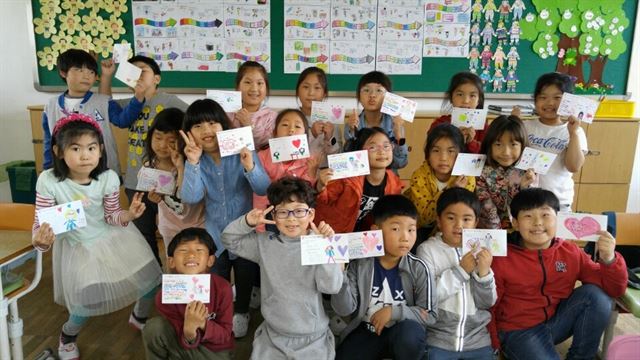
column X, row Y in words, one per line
column 327, row 129
column 469, row 134
column 468, row 262
column 323, row 229
column 44, row 237
column 573, row 124
column 528, row 179
column 398, row 127
column 352, row 121
column 257, row 217
column 484, row 259
column 244, row 117
column 246, row 159
column 195, row 317
column 323, row 178
column 154, row 197
column 108, row 68
column 316, row 128
column 137, row 207
column 461, row 181
column 606, row 246
column 192, row 151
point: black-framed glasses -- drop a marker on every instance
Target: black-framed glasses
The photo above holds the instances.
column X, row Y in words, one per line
column 284, row 213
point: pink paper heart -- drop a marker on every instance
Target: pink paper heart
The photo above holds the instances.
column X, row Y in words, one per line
column 337, row 112
column 296, row 143
column 370, row 242
column 583, row 227
column 163, row 180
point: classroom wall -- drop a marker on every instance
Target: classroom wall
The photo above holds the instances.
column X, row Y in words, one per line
column 16, row 77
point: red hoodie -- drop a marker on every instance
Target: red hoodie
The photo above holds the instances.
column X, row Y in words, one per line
column 531, row 283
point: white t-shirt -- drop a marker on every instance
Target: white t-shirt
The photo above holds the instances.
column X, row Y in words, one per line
column 555, row 139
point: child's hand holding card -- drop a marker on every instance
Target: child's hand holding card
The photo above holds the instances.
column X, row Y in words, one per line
column 349, row 164
column 159, row 181
column 474, row 118
column 64, row 217
column 183, row 289
column 580, row 226
column 469, row 164
column 289, row 148
column 128, row 73
column 395, row 105
column 231, row 101
column 493, row 240
column 539, row 161
column 232, row 141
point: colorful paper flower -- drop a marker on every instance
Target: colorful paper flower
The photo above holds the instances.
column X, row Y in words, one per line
column 72, row 6
column 70, row 23
column 93, row 24
column 119, row 7
column 93, row 6
column 103, row 45
column 114, row 27
column 45, row 27
column 47, row 57
column 50, row 8
column 62, row 42
column 83, row 41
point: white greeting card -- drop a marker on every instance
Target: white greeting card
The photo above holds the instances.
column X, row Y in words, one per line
column 183, row 289
column 365, row 244
column 289, row 148
column 469, row 164
column 581, row 107
column 475, row 118
column 317, row 249
column 159, row 181
column 580, row 226
column 128, row 73
column 65, row 217
column 121, row 52
column 231, row 101
column 349, row 164
column 395, row 105
column 233, row 140
column 475, row 239
column 539, row 161
column 327, row 112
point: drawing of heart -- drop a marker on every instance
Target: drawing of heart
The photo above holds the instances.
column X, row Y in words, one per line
column 583, row 227
column 342, row 249
column 335, row 238
column 163, row 180
column 296, row 143
column 337, row 112
column 370, row 242
column 378, row 247
column 195, row 279
column 191, row 296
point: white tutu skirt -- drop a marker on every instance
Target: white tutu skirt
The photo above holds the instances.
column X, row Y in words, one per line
column 103, row 275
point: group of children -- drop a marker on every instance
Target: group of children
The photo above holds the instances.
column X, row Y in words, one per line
column 423, row 298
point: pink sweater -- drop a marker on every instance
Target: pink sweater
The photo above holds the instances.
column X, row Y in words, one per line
column 263, row 122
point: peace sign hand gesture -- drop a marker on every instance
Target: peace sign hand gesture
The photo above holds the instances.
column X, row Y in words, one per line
column 192, row 151
column 257, row 217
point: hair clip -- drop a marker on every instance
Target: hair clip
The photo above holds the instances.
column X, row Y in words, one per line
column 76, row 117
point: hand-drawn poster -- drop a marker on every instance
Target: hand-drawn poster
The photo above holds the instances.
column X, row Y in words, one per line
column 399, row 57
column 302, row 54
column 349, row 57
column 446, row 28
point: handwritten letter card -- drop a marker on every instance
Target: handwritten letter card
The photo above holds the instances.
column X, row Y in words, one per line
column 537, row 160
column 493, row 240
column 579, row 106
column 395, row 105
column 128, row 73
column 231, row 101
column 365, row 244
column 233, row 140
column 327, row 112
column 317, row 249
column 349, row 164
column 469, row 164
column 580, row 226
column 183, row 289
column 159, row 181
column 289, row 148
column 121, row 52
column 64, row 217
column 474, row 118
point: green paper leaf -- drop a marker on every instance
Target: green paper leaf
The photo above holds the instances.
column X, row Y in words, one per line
column 592, row 20
column 546, row 45
column 613, row 46
column 545, row 4
column 616, row 23
column 548, row 20
column 567, row 5
column 570, row 24
column 611, row 6
column 528, row 26
column 584, row 5
column 590, row 43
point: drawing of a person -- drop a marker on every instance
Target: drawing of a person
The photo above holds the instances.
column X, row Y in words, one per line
column 330, row 252
column 70, row 219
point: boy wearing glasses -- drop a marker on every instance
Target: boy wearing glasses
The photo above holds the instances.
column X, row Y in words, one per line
column 295, row 325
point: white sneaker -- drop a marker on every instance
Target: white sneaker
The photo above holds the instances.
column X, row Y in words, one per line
column 241, row 324
column 337, row 325
column 254, row 303
column 68, row 351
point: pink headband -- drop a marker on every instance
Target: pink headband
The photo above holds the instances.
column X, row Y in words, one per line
column 76, row 117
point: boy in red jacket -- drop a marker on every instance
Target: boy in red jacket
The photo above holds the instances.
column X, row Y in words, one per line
column 194, row 330
column 538, row 305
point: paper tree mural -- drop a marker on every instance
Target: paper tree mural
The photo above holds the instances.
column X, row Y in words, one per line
column 578, row 32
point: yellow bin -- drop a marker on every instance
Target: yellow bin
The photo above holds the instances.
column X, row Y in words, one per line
column 615, row 109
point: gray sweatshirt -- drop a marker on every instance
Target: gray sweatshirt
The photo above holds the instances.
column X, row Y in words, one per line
column 463, row 300
column 355, row 293
column 291, row 293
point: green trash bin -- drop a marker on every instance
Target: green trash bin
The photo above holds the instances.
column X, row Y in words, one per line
column 22, row 178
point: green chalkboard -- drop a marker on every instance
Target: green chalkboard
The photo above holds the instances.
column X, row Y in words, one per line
column 434, row 79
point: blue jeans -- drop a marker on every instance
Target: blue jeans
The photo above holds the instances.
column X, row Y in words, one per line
column 436, row 353
column 404, row 340
column 584, row 315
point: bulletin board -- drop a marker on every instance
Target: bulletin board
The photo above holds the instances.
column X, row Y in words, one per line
column 49, row 17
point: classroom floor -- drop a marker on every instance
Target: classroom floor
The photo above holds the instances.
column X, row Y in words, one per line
column 110, row 336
